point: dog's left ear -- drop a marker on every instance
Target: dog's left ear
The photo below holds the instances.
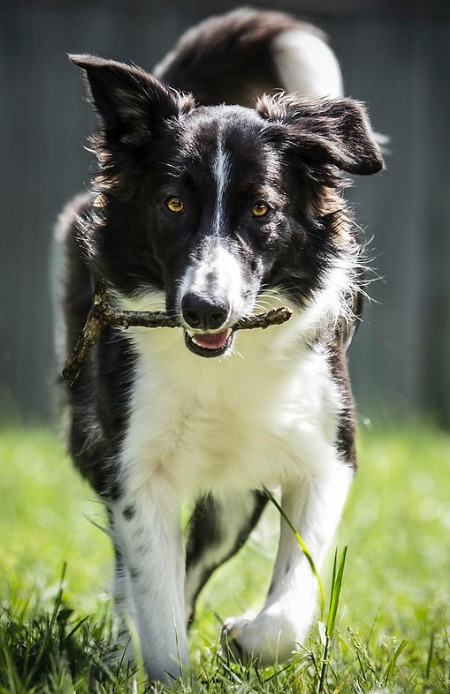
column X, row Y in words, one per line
column 131, row 104
column 327, row 131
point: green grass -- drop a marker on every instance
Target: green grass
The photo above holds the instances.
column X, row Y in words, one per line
column 388, row 630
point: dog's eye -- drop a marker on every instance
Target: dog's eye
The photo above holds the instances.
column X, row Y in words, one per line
column 260, row 209
column 174, row 204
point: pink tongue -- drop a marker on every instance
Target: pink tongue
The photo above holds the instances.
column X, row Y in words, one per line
column 211, row 340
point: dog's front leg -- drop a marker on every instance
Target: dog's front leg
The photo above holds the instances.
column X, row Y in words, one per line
column 146, row 527
column 313, row 504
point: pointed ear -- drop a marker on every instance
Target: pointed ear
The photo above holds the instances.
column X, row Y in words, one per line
column 327, row 131
column 131, row 103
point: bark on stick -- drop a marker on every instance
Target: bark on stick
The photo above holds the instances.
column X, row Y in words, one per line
column 103, row 315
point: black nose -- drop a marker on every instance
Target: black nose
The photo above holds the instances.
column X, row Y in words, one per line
column 204, row 314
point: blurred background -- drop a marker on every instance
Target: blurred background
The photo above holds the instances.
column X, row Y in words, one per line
column 395, row 56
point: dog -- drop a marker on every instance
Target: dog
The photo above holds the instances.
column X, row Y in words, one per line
column 218, row 196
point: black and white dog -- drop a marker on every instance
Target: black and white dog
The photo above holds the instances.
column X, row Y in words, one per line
column 213, row 207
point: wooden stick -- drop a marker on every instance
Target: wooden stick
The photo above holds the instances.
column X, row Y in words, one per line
column 102, row 315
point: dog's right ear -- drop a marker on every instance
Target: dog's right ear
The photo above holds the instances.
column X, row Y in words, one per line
column 132, row 104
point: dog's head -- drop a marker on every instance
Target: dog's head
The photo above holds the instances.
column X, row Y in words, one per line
column 210, row 207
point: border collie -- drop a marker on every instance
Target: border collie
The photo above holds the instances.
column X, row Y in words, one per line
column 218, row 195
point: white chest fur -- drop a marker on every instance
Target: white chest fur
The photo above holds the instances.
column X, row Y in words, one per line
column 255, row 418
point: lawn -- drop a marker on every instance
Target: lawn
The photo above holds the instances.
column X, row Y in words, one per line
column 392, row 629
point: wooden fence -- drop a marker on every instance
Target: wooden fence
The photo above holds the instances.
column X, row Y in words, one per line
column 395, row 56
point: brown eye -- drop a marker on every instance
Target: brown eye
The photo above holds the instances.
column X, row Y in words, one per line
column 174, row 204
column 260, row 209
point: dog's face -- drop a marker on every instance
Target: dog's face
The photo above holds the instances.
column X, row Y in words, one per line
column 210, row 207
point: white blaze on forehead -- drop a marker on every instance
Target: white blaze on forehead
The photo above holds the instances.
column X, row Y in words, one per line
column 216, row 273
column 221, row 170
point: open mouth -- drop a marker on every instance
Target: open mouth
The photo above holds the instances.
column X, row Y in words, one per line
column 209, row 344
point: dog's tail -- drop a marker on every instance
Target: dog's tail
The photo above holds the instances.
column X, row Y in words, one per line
column 236, row 57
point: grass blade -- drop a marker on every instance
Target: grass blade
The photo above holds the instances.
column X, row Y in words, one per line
column 336, row 585
column 393, row 661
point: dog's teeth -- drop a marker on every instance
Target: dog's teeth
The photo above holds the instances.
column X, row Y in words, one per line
column 211, row 340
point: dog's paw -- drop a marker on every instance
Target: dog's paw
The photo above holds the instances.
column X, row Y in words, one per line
column 266, row 639
column 229, row 638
